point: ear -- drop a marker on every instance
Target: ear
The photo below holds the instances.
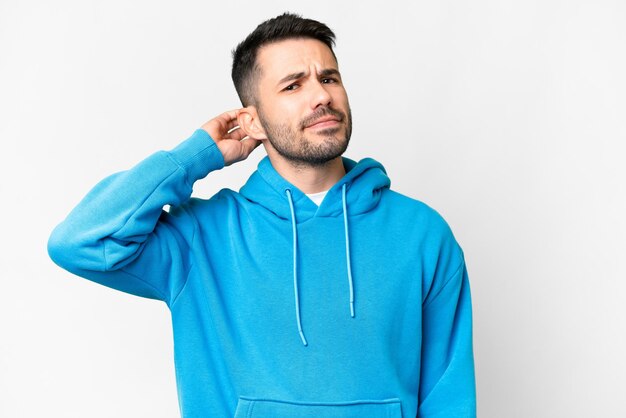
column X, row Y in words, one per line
column 249, row 122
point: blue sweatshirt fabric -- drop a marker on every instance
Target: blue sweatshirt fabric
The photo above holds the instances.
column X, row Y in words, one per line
column 357, row 308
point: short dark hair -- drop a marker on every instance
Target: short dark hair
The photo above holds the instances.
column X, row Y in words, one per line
column 286, row 26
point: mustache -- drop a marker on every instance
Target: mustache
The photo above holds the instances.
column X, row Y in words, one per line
column 319, row 113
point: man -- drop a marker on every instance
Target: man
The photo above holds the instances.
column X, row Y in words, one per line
column 315, row 291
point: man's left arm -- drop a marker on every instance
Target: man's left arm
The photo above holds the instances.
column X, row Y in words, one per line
column 447, row 382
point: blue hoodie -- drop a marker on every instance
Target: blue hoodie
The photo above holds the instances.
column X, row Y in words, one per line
column 357, row 308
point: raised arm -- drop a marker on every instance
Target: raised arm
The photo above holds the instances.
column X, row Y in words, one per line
column 119, row 235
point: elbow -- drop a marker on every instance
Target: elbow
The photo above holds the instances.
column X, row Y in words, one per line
column 74, row 252
column 60, row 247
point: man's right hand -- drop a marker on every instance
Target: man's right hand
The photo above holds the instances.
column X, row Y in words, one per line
column 233, row 143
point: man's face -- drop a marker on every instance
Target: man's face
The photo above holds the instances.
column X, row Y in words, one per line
column 301, row 102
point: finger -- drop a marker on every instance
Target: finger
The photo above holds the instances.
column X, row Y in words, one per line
column 226, row 127
column 229, row 115
column 232, row 125
column 236, row 134
column 221, row 124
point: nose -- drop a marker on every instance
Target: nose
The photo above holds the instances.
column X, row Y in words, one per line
column 320, row 95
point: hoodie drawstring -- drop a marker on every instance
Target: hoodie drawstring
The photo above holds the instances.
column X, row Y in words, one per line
column 295, row 266
column 295, row 258
column 345, row 225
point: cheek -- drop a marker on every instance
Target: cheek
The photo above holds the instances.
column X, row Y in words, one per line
column 341, row 97
column 289, row 111
column 282, row 116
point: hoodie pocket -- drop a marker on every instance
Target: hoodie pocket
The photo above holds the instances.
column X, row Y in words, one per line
column 268, row 408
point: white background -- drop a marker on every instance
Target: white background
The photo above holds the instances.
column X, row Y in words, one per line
column 505, row 116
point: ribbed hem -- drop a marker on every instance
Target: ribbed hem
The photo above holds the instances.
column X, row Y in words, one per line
column 198, row 155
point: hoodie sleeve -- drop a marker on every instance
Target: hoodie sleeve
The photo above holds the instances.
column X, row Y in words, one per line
column 120, row 236
column 447, row 383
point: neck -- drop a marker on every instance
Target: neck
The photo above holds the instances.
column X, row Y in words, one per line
column 310, row 179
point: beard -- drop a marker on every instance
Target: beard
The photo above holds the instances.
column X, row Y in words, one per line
column 295, row 147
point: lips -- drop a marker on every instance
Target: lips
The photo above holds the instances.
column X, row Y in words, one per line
column 323, row 117
column 324, row 121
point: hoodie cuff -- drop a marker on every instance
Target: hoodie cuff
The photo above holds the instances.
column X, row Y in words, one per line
column 198, row 155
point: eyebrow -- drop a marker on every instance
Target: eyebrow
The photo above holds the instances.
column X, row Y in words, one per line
column 296, row 76
column 291, row 77
column 329, row 71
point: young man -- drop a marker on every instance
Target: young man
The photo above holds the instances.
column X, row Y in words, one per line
column 315, row 291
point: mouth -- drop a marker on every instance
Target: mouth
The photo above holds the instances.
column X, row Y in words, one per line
column 324, row 122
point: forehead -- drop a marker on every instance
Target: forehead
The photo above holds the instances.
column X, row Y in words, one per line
column 294, row 55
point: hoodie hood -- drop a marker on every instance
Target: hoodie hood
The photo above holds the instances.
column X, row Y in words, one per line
column 358, row 191
column 364, row 182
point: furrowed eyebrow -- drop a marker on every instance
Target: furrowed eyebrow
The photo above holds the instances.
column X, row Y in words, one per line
column 296, row 76
column 329, row 71
column 291, row 77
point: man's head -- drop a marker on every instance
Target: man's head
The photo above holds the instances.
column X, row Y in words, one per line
column 246, row 69
column 286, row 74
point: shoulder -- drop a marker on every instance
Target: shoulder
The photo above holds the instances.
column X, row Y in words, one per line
column 415, row 211
column 440, row 253
column 198, row 209
column 423, row 226
column 220, row 201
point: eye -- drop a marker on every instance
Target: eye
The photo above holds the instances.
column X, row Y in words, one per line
column 329, row 80
column 291, row 87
